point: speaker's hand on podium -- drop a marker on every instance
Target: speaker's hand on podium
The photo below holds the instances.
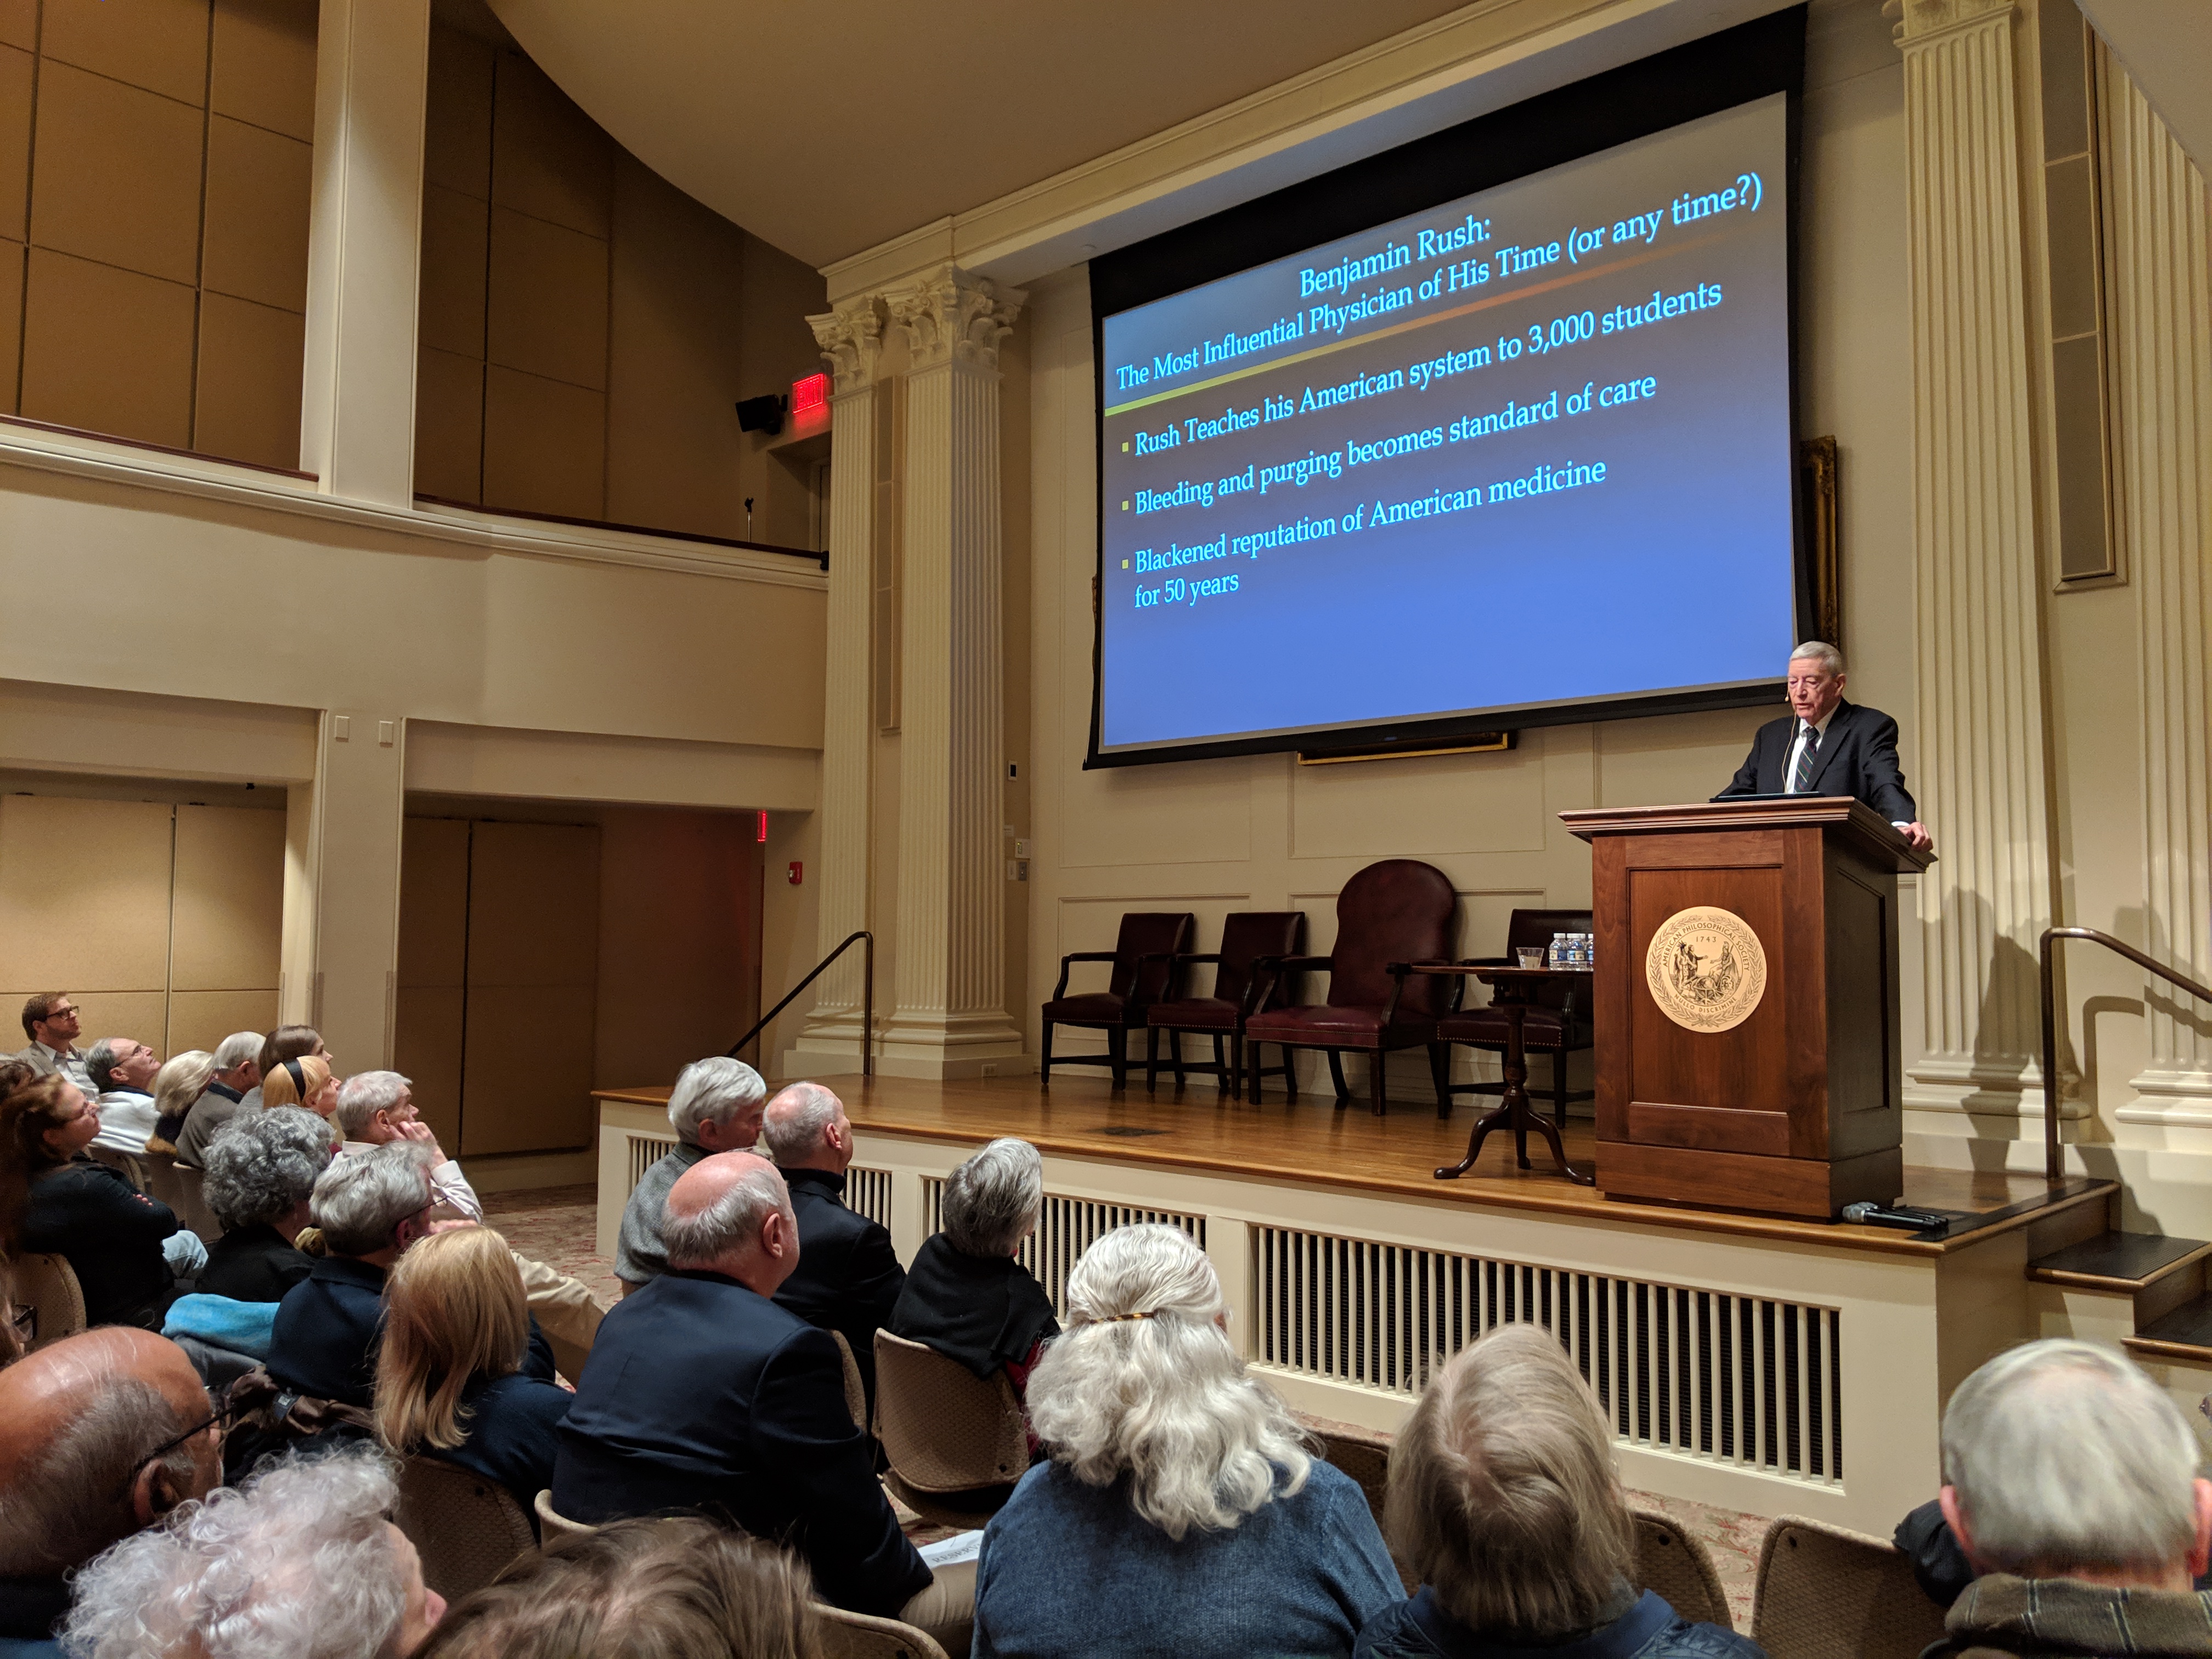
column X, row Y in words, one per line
column 1917, row 835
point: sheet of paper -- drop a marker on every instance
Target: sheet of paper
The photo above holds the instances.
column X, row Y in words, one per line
column 951, row 1551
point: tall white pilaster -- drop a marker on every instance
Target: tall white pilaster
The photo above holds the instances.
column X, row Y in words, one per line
column 952, row 1018
column 851, row 338
column 2161, row 299
column 1980, row 682
column 364, row 249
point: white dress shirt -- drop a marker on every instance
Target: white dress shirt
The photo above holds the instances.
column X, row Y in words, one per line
column 1796, row 746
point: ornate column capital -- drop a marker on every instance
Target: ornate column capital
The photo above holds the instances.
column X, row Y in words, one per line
column 1919, row 19
column 954, row 316
column 852, row 339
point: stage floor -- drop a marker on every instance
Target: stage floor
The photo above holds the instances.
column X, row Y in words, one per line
column 1311, row 1140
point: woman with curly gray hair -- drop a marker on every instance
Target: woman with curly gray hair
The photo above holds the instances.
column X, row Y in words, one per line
column 300, row 1563
column 261, row 1169
column 1181, row 1510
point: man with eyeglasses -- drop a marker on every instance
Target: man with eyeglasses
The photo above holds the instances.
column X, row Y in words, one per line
column 102, row 1435
column 51, row 1020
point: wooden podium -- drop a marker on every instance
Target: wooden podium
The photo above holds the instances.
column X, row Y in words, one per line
column 1746, row 1003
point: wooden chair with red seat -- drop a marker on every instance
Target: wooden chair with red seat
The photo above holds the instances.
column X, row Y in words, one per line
column 1239, row 991
column 1390, row 917
column 1144, row 972
column 1555, row 1025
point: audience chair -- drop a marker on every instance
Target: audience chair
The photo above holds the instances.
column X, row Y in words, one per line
column 1673, row 1561
column 954, row 1442
column 1557, row 1022
column 177, row 1185
column 465, row 1527
column 48, row 1286
column 856, row 1391
column 116, row 1159
column 1247, row 936
column 1390, row 917
column 1827, row 1593
column 1144, row 973
column 553, row 1526
column 862, row 1636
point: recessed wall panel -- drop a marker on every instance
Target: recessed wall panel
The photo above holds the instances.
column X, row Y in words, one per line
column 116, row 174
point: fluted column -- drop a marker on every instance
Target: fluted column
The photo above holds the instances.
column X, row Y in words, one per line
column 851, row 338
column 2161, row 300
column 952, row 1018
column 1981, row 714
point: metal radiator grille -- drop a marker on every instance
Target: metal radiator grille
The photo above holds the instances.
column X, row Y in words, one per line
column 1066, row 1228
column 868, row 1193
column 1748, row 1381
column 645, row 1151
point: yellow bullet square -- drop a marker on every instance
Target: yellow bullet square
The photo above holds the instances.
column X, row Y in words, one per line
column 1125, row 449
column 1125, row 564
column 1125, row 506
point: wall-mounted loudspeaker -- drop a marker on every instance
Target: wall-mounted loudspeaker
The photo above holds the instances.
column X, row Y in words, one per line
column 761, row 414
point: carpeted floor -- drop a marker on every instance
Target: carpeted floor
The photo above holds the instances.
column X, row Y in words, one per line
column 558, row 1225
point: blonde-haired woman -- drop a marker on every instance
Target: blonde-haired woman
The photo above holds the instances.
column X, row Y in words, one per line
column 306, row 1081
column 464, row 1374
column 178, row 1086
column 1181, row 1511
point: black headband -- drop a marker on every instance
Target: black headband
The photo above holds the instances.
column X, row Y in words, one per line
column 299, row 1079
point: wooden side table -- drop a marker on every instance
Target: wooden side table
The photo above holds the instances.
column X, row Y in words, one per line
column 1509, row 989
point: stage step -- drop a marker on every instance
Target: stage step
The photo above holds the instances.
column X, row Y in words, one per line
column 2185, row 1334
column 2118, row 1261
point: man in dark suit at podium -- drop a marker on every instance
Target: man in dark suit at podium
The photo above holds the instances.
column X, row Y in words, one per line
column 1827, row 746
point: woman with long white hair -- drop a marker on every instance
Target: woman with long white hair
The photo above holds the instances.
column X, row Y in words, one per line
column 1181, row 1511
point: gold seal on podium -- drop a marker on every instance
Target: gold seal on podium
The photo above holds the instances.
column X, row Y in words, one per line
column 1706, row 968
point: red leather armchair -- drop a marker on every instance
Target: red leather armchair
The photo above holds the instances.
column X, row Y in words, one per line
column 1389, row 917
column 1240, row 988
column 1144, row 972
column 1555, row 1022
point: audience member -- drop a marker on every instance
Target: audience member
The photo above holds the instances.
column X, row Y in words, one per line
column 450, row 1377
column 300, row 1563
column 305, row 1081
column 378, row 1107
column 1179, row 1507
column 51, row 1020
column 15, row 1201
column 370, row 1209
column 1504, row 1500
column 674, row 1588
column 293, row 1042
column 123, row 1072
column 704, row 1393
column 848, row 1277
column 261, row 1175
column 113, row 1235
column 965, row 1295
column 178, row 1086
column 235, row 1088
column 2071, row 1482
column 716, row 1107
column 101, row 1434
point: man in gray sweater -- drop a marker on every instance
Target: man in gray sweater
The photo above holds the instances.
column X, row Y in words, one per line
column 716, row 1107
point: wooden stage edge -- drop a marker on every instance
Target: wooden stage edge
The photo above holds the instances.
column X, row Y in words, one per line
column 1311, row 1142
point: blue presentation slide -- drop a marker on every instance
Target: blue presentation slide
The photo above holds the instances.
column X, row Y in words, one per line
column 1531, row 447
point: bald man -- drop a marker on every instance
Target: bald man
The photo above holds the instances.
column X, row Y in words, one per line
column 848, row 1278
column 701, row 1392
column 101, row 1434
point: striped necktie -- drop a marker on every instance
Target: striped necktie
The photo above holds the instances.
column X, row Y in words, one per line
column 1801, row 776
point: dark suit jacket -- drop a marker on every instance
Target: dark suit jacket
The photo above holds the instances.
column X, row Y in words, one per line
column 1858, row 757
column 330, row 1328
column 700, row 1394
column 848, row 1278
column 253, row 1263
column 111, row 1235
